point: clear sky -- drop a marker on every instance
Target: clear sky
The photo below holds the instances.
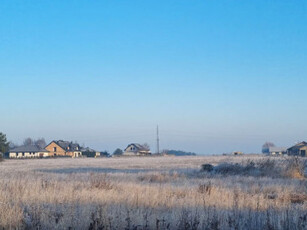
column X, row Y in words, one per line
column 217, row 76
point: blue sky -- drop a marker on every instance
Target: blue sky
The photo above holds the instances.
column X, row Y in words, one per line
column 217, row 76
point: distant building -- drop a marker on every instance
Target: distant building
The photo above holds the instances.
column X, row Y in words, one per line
column 299, row 149
column 237, row 153
column 136, row 150
column 64, row 148
column 277, row 150
column 88, row 152
column 28, row 151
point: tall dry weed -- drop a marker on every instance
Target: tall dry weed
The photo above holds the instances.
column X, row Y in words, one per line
column 295, row 168
column 150, row 193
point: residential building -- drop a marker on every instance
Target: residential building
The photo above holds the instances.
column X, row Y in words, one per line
column 28, row 151
column 64, row 148
column 135, row 149
column 299, row 149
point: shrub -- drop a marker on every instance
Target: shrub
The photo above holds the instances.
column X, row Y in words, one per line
column 298, row 198
column 118, row 152
column 100, row 182
column 159, row 177
column 291, row 168
column 88, row 154
column 207, row 167
column 268, row 167
column 205, row 188
column 228, row 168
column 249, row 168
column 295, row 168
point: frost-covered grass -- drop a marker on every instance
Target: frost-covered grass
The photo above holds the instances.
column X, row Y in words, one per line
column 149, row 193
column 289, row 167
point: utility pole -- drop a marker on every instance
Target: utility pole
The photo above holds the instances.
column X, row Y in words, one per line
column 158, row 147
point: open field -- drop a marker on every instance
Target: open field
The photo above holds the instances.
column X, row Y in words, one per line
column 152, row 193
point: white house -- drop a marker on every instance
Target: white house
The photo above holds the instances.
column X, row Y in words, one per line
column 277, row 150
column 136, row 149
column 31, row 151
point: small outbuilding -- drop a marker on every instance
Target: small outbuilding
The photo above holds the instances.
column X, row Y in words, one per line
column 88, row 152
column 277, row 150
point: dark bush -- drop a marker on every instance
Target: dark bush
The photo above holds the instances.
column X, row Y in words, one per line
column 228, row 168
column 249, row 168
column 207, row 167
column 291, row 168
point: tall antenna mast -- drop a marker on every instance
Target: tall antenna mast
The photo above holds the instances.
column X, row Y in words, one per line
column 158, row 147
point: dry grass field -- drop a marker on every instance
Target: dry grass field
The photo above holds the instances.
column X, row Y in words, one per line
column 242, row 192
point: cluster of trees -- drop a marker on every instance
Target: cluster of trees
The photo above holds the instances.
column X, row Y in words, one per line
column 118, row 152
column 40, row 142
column 266, row 147
column 178, row 152
column 93, row 154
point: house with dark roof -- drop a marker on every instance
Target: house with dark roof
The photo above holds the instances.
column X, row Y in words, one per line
column 135, row 149
column 28, row 151
column 64, row 148
column 88, row 152
column 299, row 149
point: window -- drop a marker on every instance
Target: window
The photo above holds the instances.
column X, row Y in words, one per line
column 54, row 149
column 303, row 153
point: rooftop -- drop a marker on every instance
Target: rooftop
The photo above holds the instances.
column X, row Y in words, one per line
column 28, row 148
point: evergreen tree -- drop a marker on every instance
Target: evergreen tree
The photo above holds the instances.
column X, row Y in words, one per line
column 118, row 152
column 104, row 153
column 4, row 145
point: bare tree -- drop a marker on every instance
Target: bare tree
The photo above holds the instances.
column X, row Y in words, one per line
column 266, row 147
column 28, row 141
column 146, row 146
column 12, row 145
column 41, row 143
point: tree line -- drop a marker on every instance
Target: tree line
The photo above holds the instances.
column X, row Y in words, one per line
column 40, row 142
